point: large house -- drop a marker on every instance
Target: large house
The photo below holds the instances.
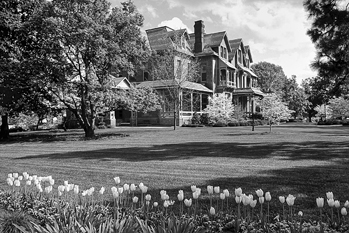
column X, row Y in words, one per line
column 224, row 68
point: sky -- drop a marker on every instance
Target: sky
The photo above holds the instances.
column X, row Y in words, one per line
column 275, row 30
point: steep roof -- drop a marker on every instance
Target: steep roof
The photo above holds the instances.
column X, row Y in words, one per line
column 234, row 44
column 248, row 50
column 211, row 40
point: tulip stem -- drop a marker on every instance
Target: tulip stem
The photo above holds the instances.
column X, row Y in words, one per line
column 268, row 213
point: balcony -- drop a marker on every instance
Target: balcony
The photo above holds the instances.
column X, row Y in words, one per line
column 224, row 83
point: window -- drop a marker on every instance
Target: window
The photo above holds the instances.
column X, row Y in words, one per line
column 225, row 53
column 145, row 76
column 240, row 56
column 204, row 101
column 222, row 53
column 179, row 68
column 204, row 72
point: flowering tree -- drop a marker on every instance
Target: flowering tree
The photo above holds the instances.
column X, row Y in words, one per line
column 339, row 107
column 220, row 108
column 274, row 109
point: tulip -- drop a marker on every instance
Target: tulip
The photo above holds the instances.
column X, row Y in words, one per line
column 48, row 189
column 102, row 190
column 180, row 196
column 9, row 181
column 290, row 200
column 238, row 199
column 267, row 196
column 198, row 190
column 144, row 189
column 155, row 204
column 187, row 202
column 126, row 187
column 166, row 203
column 216, row 189
column 226, row 192
column 282, row 199
column 120, row 190
column 133, row 187
column 320, row 202
column 148, row 197
column 52, row 182
column 17, row 183
column 330, row 202
column 329, row 195
column 140, row 185
column 30, row 178
column 28, row 183
column 222, row 196
column 238, row 192
column 346, row 204
column 212, row 211
column 15, row 175
column 300, row 213
column 117, row 180
column 337, row 204
column 135, row 199
column 20, row 178
column 25, row 175
column 261, row 200
column 344, row 211
column 253, row 203
column 210, row 189
column 76, row 189
column 59, row 193
column 195, row 195
column 245, row 200
column 65, row 182
column 259, row 192
column 9, row 175
column 193, row 188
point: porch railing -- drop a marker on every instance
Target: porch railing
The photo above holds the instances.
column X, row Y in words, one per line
column 225, row 83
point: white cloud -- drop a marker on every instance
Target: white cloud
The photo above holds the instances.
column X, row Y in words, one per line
column 175, row 23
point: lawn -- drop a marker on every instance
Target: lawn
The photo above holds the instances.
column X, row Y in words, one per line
column 304, row 160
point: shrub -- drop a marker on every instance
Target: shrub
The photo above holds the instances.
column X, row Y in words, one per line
column 345, row 122
column 8, row 220
column 196, row 118
column 204, row 119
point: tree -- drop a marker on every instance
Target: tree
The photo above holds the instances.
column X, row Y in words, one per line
column 271, row 77
column 274, row 109
column 316, row 94
column 14, row 89
column 174, row 69
column 294, row 96
column 77, row 45
column 220, row 108
column 329, row 32
column 339, row 107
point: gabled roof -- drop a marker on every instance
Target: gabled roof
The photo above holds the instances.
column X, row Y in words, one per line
column 162, row 84
column 120, row 83
column 162, row 38
column 212, row 40
column 248, row 51
column 234, row 44
column 248, row 91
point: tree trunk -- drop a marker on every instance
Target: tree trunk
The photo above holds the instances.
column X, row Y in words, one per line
column 4, row 132
column 269, row 125
column 89, row 131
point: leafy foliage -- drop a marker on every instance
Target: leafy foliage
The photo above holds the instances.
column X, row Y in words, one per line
column 220, row 109
column 329, row 32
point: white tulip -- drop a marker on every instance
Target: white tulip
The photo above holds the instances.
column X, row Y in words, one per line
column 226, row 192
column 135, row 199
column 344, row 211
column 337, row 204
column 180, row 196
column 155, row 204
column 133, row 187
column 126, row 187
column 166, row 204
column 282, row 199
column 238, row 192
column 187, row 202
column 101, row 191
column 216, row 189
column 222, row 196
column 267, row 196
column 346, row 204
column 300, row 213
column 290, row 200
column 193, row 188
column 28, row 183
column 238, row 199
column 212, row 211
column 9, row 181
column 320, row 202
column 9, row 175
column 261, row 200
column 259, row 192
column 120, row 190
column 117, row 180
column 329, row 195
column 17, row 183
column 148, row 197
column 330, row 202
column 253, row 203
column 20, row 178
column 76, row 189
column 210, row 189
column 15, row 175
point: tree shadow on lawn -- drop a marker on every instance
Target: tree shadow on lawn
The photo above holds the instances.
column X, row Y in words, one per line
column 310, row 150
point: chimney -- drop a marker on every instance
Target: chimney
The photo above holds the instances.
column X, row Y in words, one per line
column 199, row 31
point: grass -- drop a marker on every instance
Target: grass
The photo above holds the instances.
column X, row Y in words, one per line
column 304, row 160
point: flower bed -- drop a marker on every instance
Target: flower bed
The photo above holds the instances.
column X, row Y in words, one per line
column 37, row 204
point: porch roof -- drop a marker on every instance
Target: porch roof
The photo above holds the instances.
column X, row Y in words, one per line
column 248, row 71
column 161, row 84
column 248, row 91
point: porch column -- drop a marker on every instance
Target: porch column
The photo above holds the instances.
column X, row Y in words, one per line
column 200, row 102
column 245, row 81
column 191, row 102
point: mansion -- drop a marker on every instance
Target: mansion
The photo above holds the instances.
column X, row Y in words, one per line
column 224, row 67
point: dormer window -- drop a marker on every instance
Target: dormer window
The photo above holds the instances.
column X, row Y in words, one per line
column 240, row 56
column 222, row 53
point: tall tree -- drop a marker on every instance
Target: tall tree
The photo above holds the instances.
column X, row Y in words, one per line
column 330, row 32
column 78, row 44
column 271, row 77
column 14, row 88
column 175, row 70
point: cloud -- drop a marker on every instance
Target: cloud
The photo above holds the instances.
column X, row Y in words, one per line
column 149, row 9
column 175, row 23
